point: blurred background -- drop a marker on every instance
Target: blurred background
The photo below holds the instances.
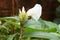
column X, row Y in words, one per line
column 10, row 7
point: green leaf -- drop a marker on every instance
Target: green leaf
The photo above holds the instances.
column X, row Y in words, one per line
column 33, row 24
column 58, row 1
column 57, row 34
column 11, row 36
column 2, row 37
column 3, row 27
column 13, row 23
column 41, row 25
column 50, row 24
column 10, row 18
column 43, row 35
column 58, row 28
column 58, row 12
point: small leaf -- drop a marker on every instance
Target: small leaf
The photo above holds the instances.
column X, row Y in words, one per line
column 2, row 26
column 11, row 36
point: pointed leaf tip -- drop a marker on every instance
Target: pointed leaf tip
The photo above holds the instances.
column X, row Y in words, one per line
column 23, row 9
column 19, row 11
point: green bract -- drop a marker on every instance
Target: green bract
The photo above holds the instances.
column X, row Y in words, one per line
column 23, row 15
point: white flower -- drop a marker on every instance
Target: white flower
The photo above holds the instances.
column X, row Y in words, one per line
column 34, row 12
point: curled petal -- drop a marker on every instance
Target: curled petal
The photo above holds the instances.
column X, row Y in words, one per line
column 35, row 12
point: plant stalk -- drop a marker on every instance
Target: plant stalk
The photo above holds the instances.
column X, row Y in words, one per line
column 12, row 28
column 21, row 31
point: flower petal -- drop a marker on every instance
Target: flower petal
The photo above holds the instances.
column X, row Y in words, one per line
column 35, row 12
column 23, row 9
column 19, row 11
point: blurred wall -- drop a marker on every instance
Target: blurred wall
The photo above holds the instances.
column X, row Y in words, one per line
column 5, row 8
column 49, row 9
column 48, row 12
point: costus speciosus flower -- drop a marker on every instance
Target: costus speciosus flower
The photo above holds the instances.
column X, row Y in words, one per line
column 34, row 12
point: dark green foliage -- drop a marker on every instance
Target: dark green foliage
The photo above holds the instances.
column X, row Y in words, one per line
column 33, row 30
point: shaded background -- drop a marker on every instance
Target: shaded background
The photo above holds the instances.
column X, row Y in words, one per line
column 48, row 12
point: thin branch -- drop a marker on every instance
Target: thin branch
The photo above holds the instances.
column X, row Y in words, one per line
column 12, row 7
column 12, row 29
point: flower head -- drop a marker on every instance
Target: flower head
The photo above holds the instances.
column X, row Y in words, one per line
column 23, row 15
column 34, row 12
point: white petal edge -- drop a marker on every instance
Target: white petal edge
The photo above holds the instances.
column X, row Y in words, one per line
column 19, row 11
column 35, row 12
column 23, row 9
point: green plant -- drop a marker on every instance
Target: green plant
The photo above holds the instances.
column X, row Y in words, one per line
column 59, row 1
column 22, row 28
column 57, row 19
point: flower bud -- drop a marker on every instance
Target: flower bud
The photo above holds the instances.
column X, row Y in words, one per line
column 23, row 16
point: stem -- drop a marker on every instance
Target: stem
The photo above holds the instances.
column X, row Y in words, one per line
column 17, row 11
column 21, row 31
column 12, row 8
column 12, row 28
